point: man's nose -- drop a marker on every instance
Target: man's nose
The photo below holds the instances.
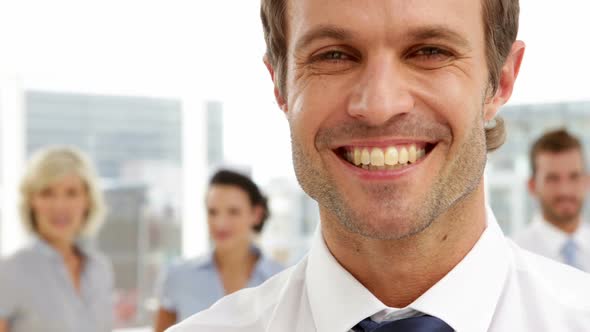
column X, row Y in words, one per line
column 566, row 188
column 381, row 93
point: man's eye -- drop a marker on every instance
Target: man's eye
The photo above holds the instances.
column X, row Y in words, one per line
column 334, row 56
column 331, row 62
column 431, row 52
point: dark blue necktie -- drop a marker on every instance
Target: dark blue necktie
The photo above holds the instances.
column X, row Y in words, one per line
column 414, row 324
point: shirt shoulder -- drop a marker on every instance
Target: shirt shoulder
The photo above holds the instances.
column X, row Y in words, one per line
column 584, row 235
column 527, row 236
column 541, row 295
column 185, row 273
column 191, row 268
column 17, row 279
column 250, row 309
column 21, row 260
column 552, row 281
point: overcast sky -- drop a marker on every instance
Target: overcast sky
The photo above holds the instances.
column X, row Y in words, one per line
column 213, row 49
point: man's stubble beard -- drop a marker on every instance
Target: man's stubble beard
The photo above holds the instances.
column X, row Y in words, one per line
column 550, row 214
column 453, row 184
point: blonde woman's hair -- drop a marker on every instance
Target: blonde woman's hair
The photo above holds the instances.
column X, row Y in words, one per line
column 49, row 165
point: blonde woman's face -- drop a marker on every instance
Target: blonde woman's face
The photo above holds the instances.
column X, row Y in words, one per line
column 60, row 209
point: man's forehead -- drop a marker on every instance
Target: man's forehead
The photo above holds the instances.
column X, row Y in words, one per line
column 571, row 152
column 385, row 15
column 568, row 159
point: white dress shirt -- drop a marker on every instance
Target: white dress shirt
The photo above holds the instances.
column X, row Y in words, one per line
column 497, row 287
column 542, row 238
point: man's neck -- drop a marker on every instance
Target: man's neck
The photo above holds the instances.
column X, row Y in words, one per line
column 568, row 227
column 397, row 272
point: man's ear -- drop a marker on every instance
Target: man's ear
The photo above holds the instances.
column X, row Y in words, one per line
column 508, row 76
column 531, row 185
column 278, row 97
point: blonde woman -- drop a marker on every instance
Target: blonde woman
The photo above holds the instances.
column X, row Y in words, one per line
column 59, row 282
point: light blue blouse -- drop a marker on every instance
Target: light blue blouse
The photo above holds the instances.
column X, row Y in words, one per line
column 37, row 293
column 192, row 286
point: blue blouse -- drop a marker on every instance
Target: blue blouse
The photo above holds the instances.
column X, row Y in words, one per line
column 192, row 286
column 37, row 292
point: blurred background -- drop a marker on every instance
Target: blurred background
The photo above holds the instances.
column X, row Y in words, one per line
column 161, row 93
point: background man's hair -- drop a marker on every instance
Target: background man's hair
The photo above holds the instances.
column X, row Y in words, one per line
column 500, row 19
column 555, row 141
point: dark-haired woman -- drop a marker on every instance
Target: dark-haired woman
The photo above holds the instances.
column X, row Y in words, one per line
column 236, row 212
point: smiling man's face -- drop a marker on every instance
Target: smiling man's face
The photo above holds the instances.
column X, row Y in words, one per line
column 386, row 101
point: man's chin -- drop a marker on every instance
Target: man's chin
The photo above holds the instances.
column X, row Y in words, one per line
column 565, row 217
column 385, row 227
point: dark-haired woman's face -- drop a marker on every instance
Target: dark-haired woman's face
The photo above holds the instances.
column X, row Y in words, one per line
column 231, row 216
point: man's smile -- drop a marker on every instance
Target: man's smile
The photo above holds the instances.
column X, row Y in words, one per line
column 384, row 157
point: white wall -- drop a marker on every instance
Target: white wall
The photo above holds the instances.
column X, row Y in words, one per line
column 12, row 156
column 555, row 66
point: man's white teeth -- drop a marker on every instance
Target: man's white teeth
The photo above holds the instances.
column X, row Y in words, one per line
column 381, row 159
column 357, row 160
column 377, row 157
column 391, row 156
column 412, row 154
column 365, row 157
column 403, row 156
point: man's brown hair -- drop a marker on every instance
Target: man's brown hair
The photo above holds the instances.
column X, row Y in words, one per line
column 554, row 141
column 500, row 19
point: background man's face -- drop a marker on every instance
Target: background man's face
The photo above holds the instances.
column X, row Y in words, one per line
column 560, row 184
column 379, row 74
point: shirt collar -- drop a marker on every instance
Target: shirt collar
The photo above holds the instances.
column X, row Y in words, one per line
column 208, row 261
column 582, row 236
column 554, row 238
column 337, row 300
column 465, row 298
column 44, row 248
column 85, row 246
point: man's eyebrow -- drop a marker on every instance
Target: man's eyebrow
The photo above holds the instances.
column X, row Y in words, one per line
column 416, row 34
column 439, row 32
column 323, row 32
